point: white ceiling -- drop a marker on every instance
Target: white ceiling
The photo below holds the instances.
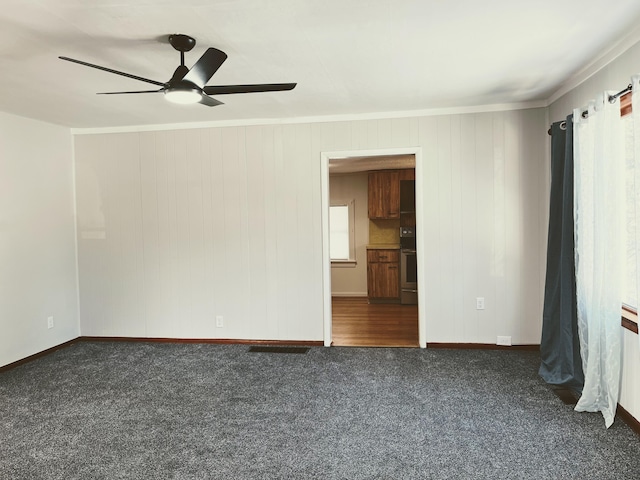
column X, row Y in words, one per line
column 348, row 56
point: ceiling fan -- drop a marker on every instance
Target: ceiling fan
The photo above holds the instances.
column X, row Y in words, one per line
column 188, row 85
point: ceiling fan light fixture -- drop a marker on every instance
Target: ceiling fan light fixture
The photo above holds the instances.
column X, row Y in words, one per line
column 189, row 85
column 183, row 96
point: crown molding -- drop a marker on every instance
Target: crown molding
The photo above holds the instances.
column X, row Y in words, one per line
column 607, row 56
column 314, row 119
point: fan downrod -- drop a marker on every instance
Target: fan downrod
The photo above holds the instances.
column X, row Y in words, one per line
column 182, row 43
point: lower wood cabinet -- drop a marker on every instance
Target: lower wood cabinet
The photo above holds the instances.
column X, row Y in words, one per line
column 383, row 274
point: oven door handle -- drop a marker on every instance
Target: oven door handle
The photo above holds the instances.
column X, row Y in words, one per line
column 407, row 250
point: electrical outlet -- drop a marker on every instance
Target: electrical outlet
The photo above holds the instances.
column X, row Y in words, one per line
column 49, row 322
column 219, row 321
column 504, row 341
column 479, row 303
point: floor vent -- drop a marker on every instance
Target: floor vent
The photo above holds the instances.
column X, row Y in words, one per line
column 268, row 349
column 566, row 395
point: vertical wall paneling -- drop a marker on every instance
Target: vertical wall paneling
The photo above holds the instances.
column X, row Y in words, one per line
column 341, row 135
column 91, row 198
column 288, row 234
column 444, row 231
column 235, row 257
column 155, row 301
column 197, row 260
column 256, row 213
column 513, row 223
column 271, row 232
column 414, row 131
column 457, row 228
column 498, row 254
column 285, row 209
column 38, row 276
column 535, row 217
column 373, row 139
column 307, row 179
column 385, row 133
column 126, row 241
column 229, row 221
column 178, row 281
column 219, row 232
column 400, row 132
column 207, row 325
column 428, row 244
column 484, row 223
column 316, row 206
column 469, row 248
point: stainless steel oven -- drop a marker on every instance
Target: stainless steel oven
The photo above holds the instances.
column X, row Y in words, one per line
column 408, row 266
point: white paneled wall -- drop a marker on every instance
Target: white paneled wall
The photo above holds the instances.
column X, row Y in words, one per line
column 630, row 385
column 227, row 221
column 37, row 247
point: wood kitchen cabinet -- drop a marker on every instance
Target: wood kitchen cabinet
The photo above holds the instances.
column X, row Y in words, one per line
column 383, row 274
column 384, row 194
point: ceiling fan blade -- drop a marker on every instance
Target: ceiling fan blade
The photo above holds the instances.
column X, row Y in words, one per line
column 137, row 91
column 209, row 101
column 261, row 87
column 205, row 67
column 135, row 77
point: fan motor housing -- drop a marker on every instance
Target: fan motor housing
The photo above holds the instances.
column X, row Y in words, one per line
column 182, row 43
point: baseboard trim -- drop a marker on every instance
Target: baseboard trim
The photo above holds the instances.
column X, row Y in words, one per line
column 220, row 341
column 483, row 346
column 629, row 419
column 35, row 356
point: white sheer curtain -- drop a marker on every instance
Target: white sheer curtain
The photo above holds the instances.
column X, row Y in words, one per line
column 599, row 209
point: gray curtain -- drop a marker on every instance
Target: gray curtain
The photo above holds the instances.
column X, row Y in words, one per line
column 561, row 363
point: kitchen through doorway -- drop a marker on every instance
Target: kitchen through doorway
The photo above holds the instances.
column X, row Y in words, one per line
column 372, row 260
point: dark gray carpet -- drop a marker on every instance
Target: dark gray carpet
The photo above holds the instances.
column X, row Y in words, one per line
column 164, row 411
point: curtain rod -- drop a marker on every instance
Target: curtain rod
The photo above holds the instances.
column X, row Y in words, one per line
column 612, row 99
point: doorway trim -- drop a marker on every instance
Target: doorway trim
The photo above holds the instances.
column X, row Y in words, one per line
column 346, row 155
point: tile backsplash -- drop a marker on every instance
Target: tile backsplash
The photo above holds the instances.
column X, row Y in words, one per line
column 384, row 232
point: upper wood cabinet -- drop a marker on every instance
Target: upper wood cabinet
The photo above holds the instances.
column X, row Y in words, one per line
column 384, row 194
column 408, row 174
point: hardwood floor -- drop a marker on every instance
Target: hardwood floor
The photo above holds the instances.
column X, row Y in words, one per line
column 356, row 323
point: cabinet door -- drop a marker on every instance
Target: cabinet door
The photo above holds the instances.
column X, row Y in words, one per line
column 384, row 194
column 383, row 280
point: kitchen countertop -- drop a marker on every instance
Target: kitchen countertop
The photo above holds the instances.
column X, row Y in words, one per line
column 384, row 246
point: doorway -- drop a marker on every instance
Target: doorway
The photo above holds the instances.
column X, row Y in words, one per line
column 358, row 323
column 375, row 321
